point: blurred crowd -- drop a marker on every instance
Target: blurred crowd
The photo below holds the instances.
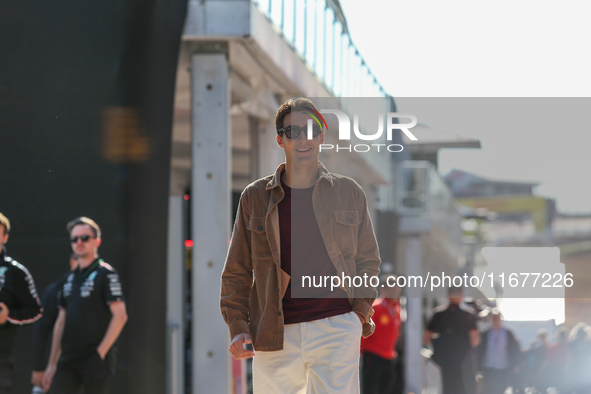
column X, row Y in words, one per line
column 476, row 353
column 564, row 364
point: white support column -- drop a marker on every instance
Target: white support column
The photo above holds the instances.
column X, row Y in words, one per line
column 413, row 365
column 211, row 210
column 176, row 296
column 273, row 154
column 411, row 229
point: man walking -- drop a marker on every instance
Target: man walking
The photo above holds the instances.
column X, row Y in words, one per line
column 91, row 316
column 456, row 334
column 499, row 356
column 305, row 219
column 19, row 305
column 44, row 326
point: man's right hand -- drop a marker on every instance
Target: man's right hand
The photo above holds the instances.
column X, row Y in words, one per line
column 48, row 377
column 237, row 347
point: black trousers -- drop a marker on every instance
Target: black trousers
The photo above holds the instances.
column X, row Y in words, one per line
column 452, row 377
column 92, row 373
column 377, row 375
column 495, row 380
column 6, row 367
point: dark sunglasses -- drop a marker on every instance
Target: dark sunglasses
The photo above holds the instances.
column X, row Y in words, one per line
column 294, row 131
column 83, row 238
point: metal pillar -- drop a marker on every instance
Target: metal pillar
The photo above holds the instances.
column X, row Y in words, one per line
column 211, row 208
column 414, row 325
column 253, row 124
column 175, row 308
column 411, row 229
column 273, row 154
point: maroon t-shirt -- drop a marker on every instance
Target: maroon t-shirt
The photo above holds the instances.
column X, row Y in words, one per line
column 302, row 244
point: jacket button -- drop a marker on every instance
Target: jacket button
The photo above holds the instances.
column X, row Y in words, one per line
column 279, row 313
column 274, row 200
column 350, row 220
column 260, row 228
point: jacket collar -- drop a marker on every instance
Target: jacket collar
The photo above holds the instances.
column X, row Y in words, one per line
column 276, row 179
column 85, row 272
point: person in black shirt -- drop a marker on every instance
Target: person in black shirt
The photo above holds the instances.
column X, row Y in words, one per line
column 456, row 333
column 91, row 316
column 44, row 326
column 19, row 305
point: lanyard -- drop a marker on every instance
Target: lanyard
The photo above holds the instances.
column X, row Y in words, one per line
column 90, row 268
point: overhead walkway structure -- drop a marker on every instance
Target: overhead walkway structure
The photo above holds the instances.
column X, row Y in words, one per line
column 239, row 61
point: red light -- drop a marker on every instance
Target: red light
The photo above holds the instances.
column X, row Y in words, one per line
column 186, row 197
column 189, row 243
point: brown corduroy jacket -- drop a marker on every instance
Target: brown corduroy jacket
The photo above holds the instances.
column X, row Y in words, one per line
column 253, row 283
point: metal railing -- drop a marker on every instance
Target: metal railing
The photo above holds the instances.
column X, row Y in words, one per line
column 317, row 31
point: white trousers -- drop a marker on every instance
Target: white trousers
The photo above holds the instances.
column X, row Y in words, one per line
column 319, row 357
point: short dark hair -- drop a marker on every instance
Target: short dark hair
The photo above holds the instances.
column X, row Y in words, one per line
column 296, row 104
column 5, row 222
column 84, row 220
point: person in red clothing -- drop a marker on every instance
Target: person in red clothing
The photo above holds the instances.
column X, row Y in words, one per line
column 378, row 351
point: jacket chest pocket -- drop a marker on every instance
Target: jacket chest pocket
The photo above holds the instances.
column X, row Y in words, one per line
column 259, row 244
column 346, row 230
